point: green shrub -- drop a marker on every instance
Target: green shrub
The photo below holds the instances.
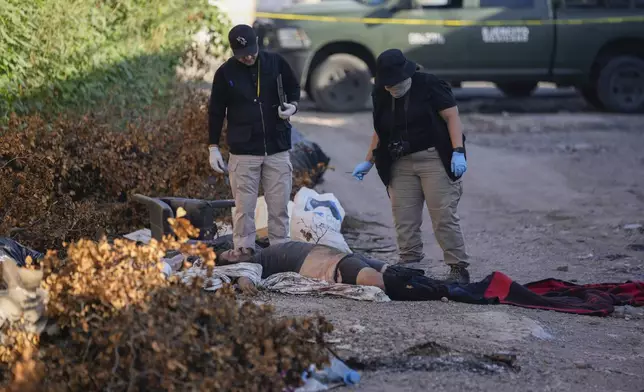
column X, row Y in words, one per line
column 79, row 54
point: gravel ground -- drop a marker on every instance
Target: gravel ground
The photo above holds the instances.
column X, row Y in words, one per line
column 552, row 190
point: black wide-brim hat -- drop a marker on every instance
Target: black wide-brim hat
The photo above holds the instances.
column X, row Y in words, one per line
column 392, row 67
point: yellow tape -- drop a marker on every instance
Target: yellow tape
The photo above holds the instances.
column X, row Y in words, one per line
column 448, row 22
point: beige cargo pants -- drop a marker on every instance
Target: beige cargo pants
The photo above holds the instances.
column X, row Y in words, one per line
column 417, row 179
column 275, row 173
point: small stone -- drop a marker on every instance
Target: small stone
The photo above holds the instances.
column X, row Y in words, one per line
column 636, row 247
column 582, row 147
column 582, row 365
column 627, row 317
column 586, row 257
column 633, row 226
column 563, row 268
column 357, row 328
column 444, row 299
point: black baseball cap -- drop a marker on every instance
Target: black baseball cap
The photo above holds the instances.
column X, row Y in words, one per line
column 243, row 40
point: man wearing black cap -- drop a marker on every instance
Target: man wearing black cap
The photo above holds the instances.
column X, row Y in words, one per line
column 245, row 92
column 418, row 148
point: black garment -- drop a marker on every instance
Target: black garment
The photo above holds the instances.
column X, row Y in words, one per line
column 351, row 265
column 427, row 96
column 407, row 284
column 18, row 252
column 409, row 125
column 254, row 127
column 286, row 257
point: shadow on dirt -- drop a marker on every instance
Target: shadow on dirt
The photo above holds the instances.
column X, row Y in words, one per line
column 542, row 104
column 431, row 356
column 489, row 101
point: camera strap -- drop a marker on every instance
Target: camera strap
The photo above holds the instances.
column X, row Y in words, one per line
column 393, row 113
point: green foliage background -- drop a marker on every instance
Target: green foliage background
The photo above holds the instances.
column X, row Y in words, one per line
column 79, row 54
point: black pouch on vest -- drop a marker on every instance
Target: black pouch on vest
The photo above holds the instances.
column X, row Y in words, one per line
column 413, row 288
column 283, row 135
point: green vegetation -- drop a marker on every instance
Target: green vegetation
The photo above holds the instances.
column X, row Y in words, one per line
column 87, row 54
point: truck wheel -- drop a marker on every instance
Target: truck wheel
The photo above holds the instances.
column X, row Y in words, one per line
column 341, row 83
column 590, row 95
column 517, row 89
column 620, row 84
column 308, row 94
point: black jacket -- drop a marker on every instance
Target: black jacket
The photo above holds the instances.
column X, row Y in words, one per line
column 254, row 127
column 429, row 95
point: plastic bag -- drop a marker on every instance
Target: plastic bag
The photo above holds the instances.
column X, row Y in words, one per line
column 307, row 157
column 14, row 250
column 318, row 218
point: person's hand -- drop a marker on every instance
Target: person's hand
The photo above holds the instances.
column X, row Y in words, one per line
column 289, row 110
column 216, row 160
column 459, row 164
column 362, row 169
column 246, row 286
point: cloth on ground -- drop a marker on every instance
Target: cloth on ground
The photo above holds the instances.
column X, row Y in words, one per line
column 286, row 282
column 18, row 252
column 294, row 283
column 551, row 294
column 221, row 274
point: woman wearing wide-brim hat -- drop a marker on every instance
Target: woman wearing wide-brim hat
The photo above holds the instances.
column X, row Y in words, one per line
column 418, row 148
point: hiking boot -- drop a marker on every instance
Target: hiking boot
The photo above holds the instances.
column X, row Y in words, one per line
column 239, row 255
column 458, row 273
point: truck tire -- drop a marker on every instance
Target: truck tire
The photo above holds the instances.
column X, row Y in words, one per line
column 517, row 89
column 590, row 95
column 620, row 84
column 341, row 83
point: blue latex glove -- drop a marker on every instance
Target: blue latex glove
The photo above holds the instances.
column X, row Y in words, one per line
column 459, row 165
column 362, row 169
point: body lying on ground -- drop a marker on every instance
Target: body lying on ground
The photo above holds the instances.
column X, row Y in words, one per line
column 408, row 284
column 334, row 266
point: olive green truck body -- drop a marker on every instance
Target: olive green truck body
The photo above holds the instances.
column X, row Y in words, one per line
column 596, row 46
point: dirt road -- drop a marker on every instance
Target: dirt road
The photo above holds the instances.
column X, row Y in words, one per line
column 555, row 194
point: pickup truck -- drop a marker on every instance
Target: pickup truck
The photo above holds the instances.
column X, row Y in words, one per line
column 596, row 46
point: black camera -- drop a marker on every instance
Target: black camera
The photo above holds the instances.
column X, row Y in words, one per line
column 398, row 149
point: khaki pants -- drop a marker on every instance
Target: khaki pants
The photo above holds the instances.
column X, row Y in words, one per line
column 417, row 179
column 275, row 173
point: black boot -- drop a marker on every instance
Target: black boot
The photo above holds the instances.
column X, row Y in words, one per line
column 458, row 273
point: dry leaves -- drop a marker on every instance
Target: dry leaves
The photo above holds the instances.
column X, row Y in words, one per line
column 73, row 178
column 125, row 327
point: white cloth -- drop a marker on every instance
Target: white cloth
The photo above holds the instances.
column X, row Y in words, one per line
column 216, row 160
column 285, row 283
column 294, row 283
column 222, row 274
column 23, row 299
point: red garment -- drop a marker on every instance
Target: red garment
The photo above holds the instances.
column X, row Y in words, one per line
column 561, row 296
